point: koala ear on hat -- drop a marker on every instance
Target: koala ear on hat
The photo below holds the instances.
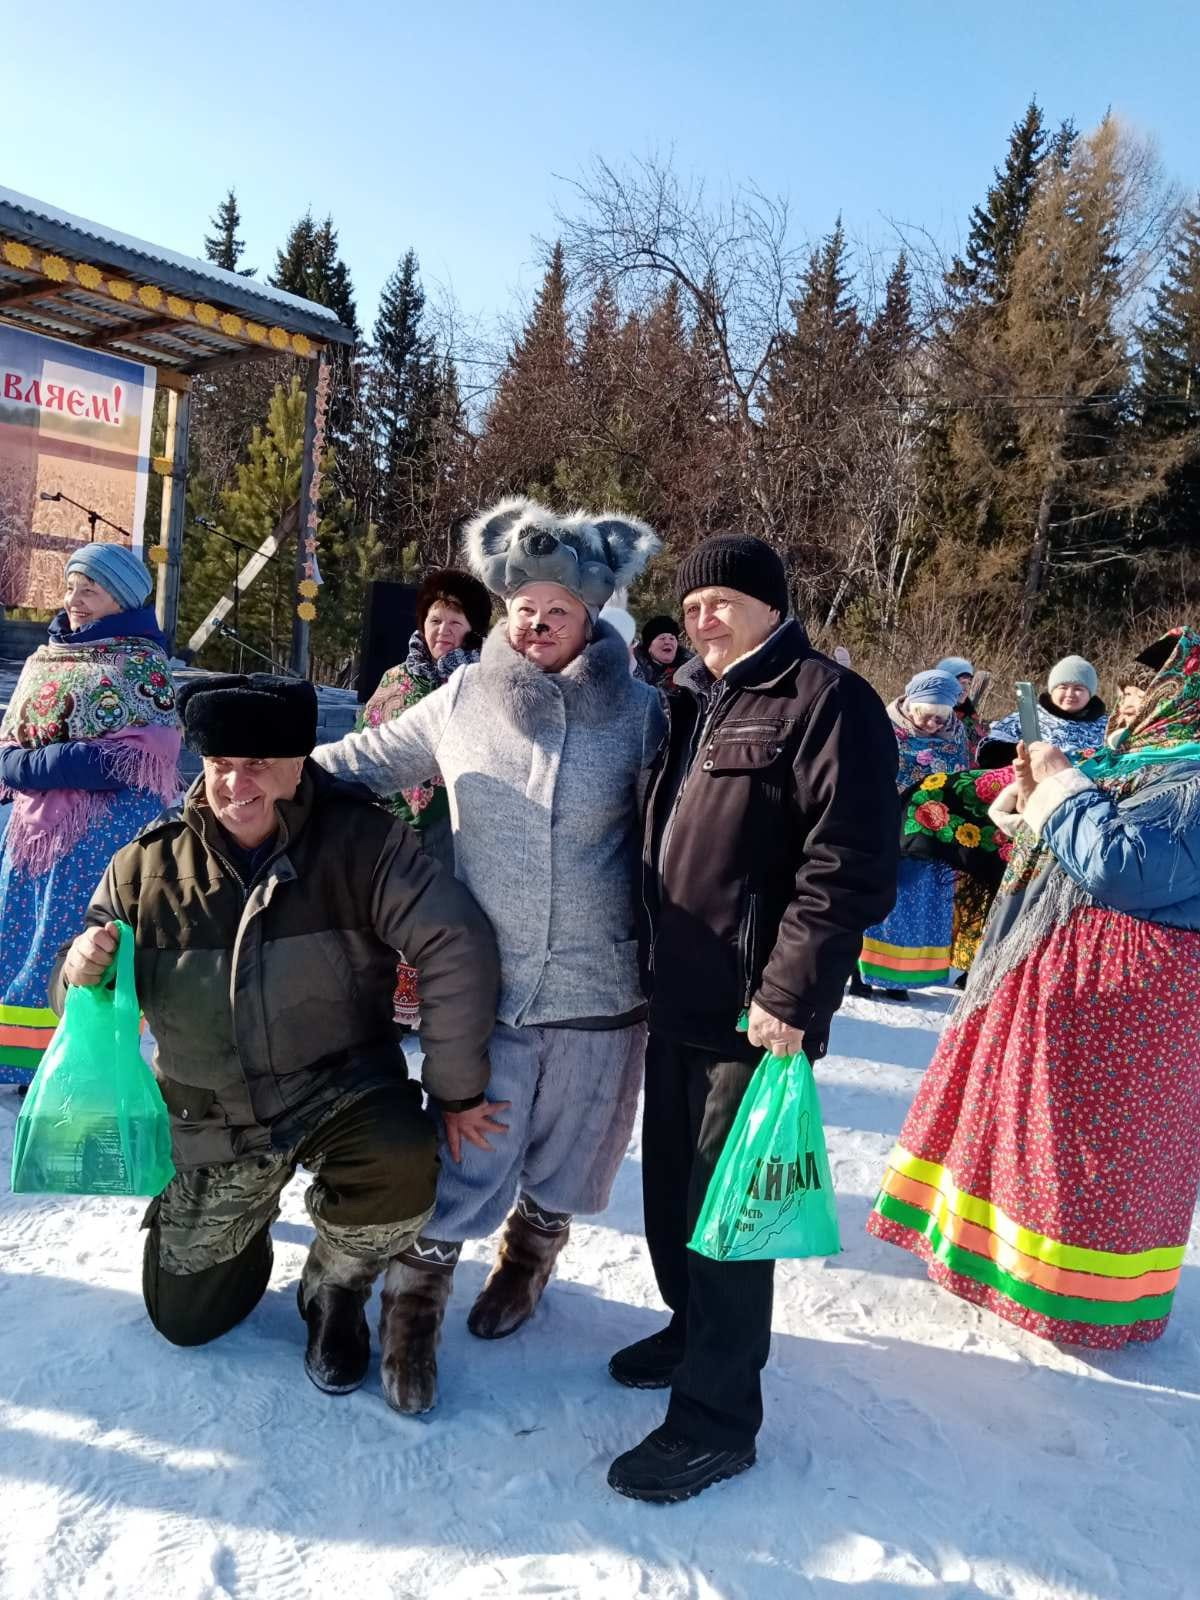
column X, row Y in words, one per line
column 489, row 538
column 630, row 544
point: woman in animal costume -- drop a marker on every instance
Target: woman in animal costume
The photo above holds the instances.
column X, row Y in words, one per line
column 544, row 747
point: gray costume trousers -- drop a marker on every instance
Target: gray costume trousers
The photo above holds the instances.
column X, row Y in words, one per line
column 574, row 1096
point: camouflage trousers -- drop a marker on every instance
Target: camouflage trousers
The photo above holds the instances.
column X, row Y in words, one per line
column 208, row 1253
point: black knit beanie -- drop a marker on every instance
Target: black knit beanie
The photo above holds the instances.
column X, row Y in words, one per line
column 251, row 714
column 736, row 561
column 656, row 627
column 459, row 589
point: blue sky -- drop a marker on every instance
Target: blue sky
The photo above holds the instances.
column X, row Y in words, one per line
column 448, row 126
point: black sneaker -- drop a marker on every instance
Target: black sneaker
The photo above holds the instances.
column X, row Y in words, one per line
column 665, row 1468
column 339, row 1345
column 860, row 990
column 648, row 1364
column 895, row 994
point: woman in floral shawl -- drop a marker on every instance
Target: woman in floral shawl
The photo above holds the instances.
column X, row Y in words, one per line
column 454, row 612
column 89, row 749
column 911, row 950
column 1049, row 1166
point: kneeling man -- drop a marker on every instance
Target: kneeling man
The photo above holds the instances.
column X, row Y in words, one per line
column 267, row 916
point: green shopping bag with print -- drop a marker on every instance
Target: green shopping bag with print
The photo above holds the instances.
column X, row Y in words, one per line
column 771, row 1196
column 94, row 1121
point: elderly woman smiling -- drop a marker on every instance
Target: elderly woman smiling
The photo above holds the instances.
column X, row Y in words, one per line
column 544, row 748
column 88, row 755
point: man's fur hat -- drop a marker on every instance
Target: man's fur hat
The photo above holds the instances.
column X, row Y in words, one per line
column 519, row 541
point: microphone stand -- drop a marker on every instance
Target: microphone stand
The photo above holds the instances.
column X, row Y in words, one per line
column 92, row 515
column 231, row 631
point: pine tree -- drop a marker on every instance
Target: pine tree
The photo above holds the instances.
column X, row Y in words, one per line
column 402, row 396
column 891, row 337
column 600, row 465
column 981, row 276
column 532, row 423
column 969, row 444
column 814, row 390
column 311, row 266
column 329, row 277
column 224, row 246
column 293, row 264
column 265, row 488
column 1169, row 387
column 814, row 356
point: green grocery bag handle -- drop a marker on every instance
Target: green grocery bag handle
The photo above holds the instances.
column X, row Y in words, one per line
column 117, row 992
column 119, row 986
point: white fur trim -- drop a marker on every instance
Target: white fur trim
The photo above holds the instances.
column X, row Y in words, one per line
column 1051, row 793
column 617, row 617
column 1003, row 811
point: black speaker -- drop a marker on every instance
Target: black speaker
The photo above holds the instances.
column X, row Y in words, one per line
column 389, row 617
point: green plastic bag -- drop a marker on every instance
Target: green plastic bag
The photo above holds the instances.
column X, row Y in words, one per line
column 771, row 1194
column 94, row 1121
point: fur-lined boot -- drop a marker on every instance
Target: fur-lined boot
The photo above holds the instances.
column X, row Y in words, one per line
column 331, row 1297
column 529, row 1247
column 416, row 1289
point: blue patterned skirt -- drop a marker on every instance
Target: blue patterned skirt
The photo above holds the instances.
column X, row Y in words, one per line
column 911, row 948
column 38, row 915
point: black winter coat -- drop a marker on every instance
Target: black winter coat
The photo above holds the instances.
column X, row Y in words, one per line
column 771, row 842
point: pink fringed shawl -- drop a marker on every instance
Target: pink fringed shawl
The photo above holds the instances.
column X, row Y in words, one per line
column 117, row 691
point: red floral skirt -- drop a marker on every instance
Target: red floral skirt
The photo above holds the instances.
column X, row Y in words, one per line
column 1049, row 1165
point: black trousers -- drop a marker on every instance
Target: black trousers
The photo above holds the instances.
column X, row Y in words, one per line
column 721, row 1310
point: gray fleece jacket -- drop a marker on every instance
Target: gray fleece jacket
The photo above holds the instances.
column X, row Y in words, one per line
column 545, row 774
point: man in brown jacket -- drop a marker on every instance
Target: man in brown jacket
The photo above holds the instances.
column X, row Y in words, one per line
column 267, row 916
column 771, row 842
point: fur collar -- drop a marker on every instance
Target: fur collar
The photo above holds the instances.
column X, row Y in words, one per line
column 592, row 686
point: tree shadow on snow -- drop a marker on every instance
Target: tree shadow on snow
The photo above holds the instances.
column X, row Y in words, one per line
column 875, row 1451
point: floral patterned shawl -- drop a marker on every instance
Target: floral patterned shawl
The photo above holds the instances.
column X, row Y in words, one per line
column 399, row 688
column 922, row 754
column 115, row 689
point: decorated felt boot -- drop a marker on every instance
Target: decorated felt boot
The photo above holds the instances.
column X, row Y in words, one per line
column 416, row 1289
column 529, row 1248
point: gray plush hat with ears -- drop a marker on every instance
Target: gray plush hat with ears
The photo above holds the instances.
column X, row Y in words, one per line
column 518, row 542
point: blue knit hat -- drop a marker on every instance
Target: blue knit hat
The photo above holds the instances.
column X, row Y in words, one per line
column 1073, row 669
column 116, row 569
column 957, row 667
column 934, row 688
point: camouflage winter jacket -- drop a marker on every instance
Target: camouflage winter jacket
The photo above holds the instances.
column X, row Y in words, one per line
column 270, row 1000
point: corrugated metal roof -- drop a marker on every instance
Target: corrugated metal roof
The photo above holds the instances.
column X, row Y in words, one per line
column 35, row 222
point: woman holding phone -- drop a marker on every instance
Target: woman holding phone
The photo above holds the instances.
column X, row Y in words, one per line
column 1070, row 716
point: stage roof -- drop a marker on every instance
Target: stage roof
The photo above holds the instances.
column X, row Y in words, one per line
column 77, row 280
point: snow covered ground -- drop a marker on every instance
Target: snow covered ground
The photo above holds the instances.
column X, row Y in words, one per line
column 914, row 1445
